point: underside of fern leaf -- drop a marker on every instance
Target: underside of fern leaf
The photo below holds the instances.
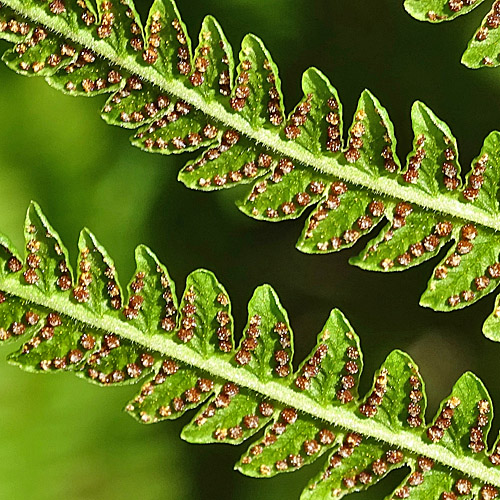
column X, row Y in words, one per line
column 185, row 355
column 176, row 101
column 484, row 49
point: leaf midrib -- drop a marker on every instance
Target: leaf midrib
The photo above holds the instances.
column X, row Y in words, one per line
column 276, row 391
column 381, row 185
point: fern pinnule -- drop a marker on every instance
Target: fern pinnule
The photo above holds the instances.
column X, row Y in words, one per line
column 184, row 354
column 176, row 101
column 484, row 47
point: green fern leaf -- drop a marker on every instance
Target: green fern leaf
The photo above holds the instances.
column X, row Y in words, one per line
column 483, row 49
column 437, row 11
column 184, row 355
column 176, row 101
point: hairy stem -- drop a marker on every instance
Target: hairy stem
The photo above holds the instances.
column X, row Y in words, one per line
column 383, row 186
column 338, row 416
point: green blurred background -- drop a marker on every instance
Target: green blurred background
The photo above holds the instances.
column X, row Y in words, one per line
column 61, row 438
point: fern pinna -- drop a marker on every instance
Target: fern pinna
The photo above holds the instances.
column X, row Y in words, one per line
column 186, row 356
column 483, row 49
column 179, row 102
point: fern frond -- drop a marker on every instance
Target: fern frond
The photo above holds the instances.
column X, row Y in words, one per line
column 184, row 353
column 179, row 102
column 484, row 47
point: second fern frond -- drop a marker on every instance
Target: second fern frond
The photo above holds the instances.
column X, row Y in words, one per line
column 185, row 355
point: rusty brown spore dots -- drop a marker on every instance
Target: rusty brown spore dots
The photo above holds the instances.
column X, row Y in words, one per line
column 492, row 23
column 266, row 409
column 38, row 35
column 370, row 408
column 149, row 109
column 310, row 446
column 415, row 162
column 225, row 83
column 475, row 179
column 282, row 355
column 31, row 318
column 18, row 328
column 87, row 57
column 154, row 139
column 224, row 334
column 332, row 118
column 150, row 54
column 57, row 7
column 224, row 338
column 465, row 245
column 379, row 467
column 414, row 408
column 494, row 458
column 482, row 33
column 430, row 243
column 311, row 368
column 224, row 77
column 283, row 168
column 476, row 434
column 114, row 294
column 282, row 358
column 274, row 104
column 389, row 163
column 14, row 265
column 86, row 16
column 462, row 487
column 228, row 140
column 450, row 170
column 33, row 343
column 33, row 260
column 221, row 401
column 242, row 91
column 101, row 348
column 168, row 368
column 458, row 5
column 283, row 334
column 455, row 5
column 349, row 445
column 250, row 342
column 64, row 280
column 363, row 222
column 87, row 341
column 348, row 380
column 15, row 26
column 337, row 189
column 80, row 292
column 488, row 492
column 401, row 211
column 436, row 432
column 358, row 130
column 298, row 118
column 201, row 65
column 136, row 41
column 105, row 29
column 416, row 478
column 168, row 321
column 184, row 64
column 188, row 319
column 47, row 332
